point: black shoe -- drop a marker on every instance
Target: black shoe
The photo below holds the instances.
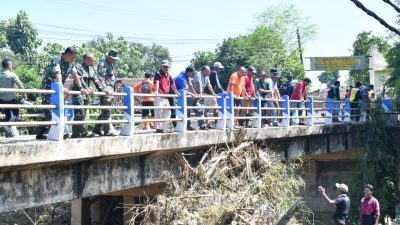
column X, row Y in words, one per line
column 110, row 134
column 74, row 135
column 190, row 128
column 98, row 132
column 66, row 136
column 94, row 133
column 204, row 127
column 159, row 131
column 41, row 137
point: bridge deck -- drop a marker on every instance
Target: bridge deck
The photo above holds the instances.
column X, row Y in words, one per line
column 25, row 150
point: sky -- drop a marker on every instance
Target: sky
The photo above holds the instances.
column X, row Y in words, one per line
column 189, row 26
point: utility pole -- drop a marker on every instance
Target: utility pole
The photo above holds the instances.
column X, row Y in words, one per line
column 300, row 48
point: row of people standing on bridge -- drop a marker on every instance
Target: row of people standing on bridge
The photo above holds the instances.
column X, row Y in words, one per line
column 83, row 75
column 206, row 82
column 361, row 99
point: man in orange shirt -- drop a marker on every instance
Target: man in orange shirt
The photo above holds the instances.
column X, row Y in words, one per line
column 146, row 86
column 236, row 85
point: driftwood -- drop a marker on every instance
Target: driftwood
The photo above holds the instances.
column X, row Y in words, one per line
column 235, row 185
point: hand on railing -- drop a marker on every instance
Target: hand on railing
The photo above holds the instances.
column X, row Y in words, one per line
column 84, row 91
column 109, row 92
column 66, row 90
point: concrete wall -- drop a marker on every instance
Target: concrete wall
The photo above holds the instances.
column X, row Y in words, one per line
column 39, row 173
column 45, row 152
column 28, row 188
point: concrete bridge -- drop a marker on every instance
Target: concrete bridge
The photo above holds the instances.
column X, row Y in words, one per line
column 34, row 173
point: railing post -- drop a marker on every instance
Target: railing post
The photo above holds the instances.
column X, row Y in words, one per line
column 69, row 115
column 347, row 111
column 56, row 132
column 181, row 126
column 230, row 112
column 129, row 101
column 285, row 111
column 310, row 111
column 221, row 124
column 329, row 112
column 387, row 105
column 257, row 112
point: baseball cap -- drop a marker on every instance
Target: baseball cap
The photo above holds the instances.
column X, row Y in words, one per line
column 342, row 187
column 190, row 69
column 218, row 65
column 276, row 74
column 113, row 54
column 165, row 63
column 252, row 69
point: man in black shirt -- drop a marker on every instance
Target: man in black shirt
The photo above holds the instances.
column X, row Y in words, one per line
column 214, row 80
column 342, row 203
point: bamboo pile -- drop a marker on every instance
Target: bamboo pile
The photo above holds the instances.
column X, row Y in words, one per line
column 233, row 185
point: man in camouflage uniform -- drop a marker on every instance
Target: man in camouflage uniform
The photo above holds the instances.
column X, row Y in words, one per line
column 106, row 75
column 59, row 70
column 87, row 75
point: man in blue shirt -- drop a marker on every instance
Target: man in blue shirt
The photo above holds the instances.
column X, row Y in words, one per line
column 184, row 81
column 342, row 203
column 289, row 86
column 365, row 101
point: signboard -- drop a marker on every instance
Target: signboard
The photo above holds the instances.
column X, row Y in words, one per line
column 338, row 63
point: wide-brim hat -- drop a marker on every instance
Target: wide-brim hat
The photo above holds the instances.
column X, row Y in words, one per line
column 342, row 187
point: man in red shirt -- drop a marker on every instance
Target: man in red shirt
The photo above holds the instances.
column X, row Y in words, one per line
column 249, row 89
column 369, row 208
column 162, row 83
column 299, row 94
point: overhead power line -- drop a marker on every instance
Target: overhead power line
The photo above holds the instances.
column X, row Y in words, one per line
column 93, row 7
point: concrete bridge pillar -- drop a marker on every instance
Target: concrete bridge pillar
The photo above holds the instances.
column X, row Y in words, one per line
column 128, row 202
column 80, row 211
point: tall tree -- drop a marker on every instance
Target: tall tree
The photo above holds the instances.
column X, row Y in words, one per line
column 272, row 43
column 4, row 24
column 361, row 47
column 129, row 64
column 153, row 56
column 22, row 36
column 53, row 49
column 328, row 77
column 202, row 58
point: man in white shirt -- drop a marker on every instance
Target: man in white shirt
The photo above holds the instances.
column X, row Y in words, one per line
column 273, row 83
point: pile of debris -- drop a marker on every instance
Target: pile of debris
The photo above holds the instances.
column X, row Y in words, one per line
column 240, row 185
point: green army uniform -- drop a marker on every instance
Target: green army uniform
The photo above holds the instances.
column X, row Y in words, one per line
column 87, row 75
column 106, row 76
column 66, row 69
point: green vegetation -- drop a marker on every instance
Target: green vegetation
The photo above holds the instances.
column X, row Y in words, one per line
column 328, row 78
column 361, row 47
column 276, row 41
column 19, row 41
column 378, row 166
